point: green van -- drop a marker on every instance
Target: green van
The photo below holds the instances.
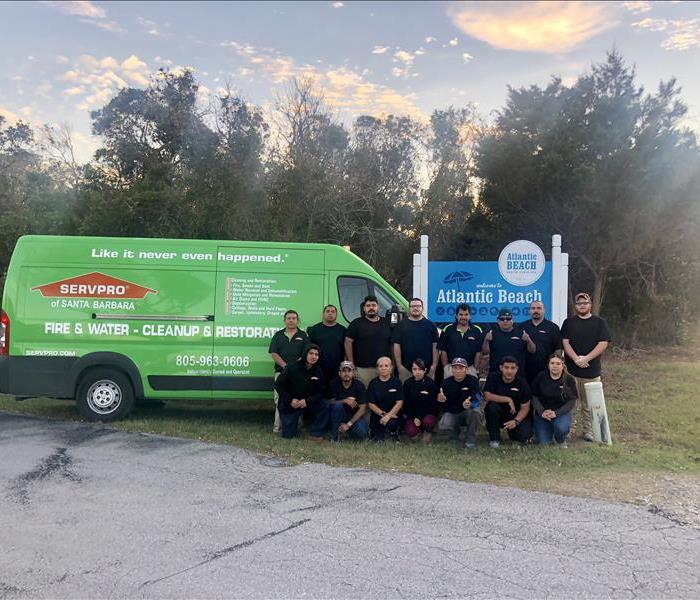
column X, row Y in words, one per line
column 109, row 321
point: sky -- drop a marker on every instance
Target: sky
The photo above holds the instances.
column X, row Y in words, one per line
column 60, row 60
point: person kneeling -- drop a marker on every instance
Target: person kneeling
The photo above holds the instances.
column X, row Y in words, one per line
column 348, row 404
column 385, row 399
column 461, row 397
column 301, row 389
column 420, row 398
column 554, row 395
column 507, row 404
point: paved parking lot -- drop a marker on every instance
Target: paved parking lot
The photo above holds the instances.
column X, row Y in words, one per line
column 89, row 512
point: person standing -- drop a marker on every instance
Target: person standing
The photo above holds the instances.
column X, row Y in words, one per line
column 553, row 398
column 385, row 400
column 348, row 404
column 367, row 339
column 301, row 388
column 461, row 339
column 286, row 346
column 505, row 339
column 415, row 337
column 585, row 337
column 420, row 402
column 461, row 399
column 329, row 336
column 546, row 336
column 507, row 398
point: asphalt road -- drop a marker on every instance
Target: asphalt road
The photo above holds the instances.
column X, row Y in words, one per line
column 89, row 512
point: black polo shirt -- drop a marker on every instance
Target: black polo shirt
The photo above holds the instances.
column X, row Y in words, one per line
column 420, row 398
column 297, row 381
column 517, row 390
column 507, row 344
column 416, row 339
column 331, row 342
column 356, row 390
column 584, row 335
column 371, row 340
column 385, row 394
column 290, row 349
column 547, row 338
column 461, row 344
column 458, row 391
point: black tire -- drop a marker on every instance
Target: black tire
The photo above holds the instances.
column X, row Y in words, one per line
column 104, row 394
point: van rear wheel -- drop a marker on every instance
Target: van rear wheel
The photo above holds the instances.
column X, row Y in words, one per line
column 104, row 395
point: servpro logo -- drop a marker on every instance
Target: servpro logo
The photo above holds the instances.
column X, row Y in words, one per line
column 94, row 285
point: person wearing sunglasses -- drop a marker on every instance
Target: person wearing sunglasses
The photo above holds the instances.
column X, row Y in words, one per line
column 506, row 339
column 585, row 337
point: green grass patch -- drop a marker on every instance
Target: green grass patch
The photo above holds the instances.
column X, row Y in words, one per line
column 651, row 404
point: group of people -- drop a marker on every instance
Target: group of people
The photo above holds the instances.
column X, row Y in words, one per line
column 378, row 381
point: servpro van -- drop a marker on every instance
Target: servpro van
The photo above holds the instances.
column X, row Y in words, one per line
column 108, row 321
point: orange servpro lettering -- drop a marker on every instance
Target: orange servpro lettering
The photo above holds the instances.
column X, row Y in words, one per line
column 94, row 285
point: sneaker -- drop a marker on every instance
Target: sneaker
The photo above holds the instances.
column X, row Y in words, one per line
column 316, row 438
column 588, row 437
column 469, row 446
column 427, row 437
column 494, row 444
column 562, row 445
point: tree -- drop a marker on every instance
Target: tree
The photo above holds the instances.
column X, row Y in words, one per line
column 601, row 162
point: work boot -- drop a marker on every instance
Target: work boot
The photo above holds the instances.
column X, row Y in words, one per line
column 427, row 437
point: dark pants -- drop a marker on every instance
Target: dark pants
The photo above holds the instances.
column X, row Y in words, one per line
column 319, row 411
column 497, row 414
column 379, row 431
column 558, row 428
column 342, row 413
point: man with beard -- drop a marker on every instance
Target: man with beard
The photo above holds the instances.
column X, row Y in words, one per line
column 461, row 339
column 585, row 337
column 329, row 336
column 367, row 339
column 506, row 340
column 348, row 404
column 415, row 337
column 546, row 336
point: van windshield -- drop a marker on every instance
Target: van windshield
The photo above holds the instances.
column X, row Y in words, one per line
column 352, row 291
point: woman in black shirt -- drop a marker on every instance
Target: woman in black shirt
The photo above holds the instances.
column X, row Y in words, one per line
column 385, row 400
column 420, row 402
column 553, row 397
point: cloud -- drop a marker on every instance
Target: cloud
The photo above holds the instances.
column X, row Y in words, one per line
column 549, row 27
column 379, row 49
column 95, row 80
column 345, row 89
column 80, row 9
column 681, row 34
column 466, row 57
column 337, row 5
column 430, row 39
column 9, row 115
column 637, row 7
column 420, row 52
column 404, row 56
column 453, row 42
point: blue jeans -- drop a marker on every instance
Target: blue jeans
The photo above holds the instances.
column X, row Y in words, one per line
column 558, row 428
column 290, row 421
column 342, row 413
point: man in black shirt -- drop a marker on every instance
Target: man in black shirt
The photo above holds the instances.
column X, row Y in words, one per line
column 286, row 346
column 367, row 339
column 507, row 404
column 301, row 389
column 546, row 336
column 348, row 404
column 461, row 400
column 585, row 337
column 506, row 340
column 329, row 335
column 415, row 337
column 461, row 339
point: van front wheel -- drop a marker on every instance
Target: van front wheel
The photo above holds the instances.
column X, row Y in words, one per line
column 104, row 395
